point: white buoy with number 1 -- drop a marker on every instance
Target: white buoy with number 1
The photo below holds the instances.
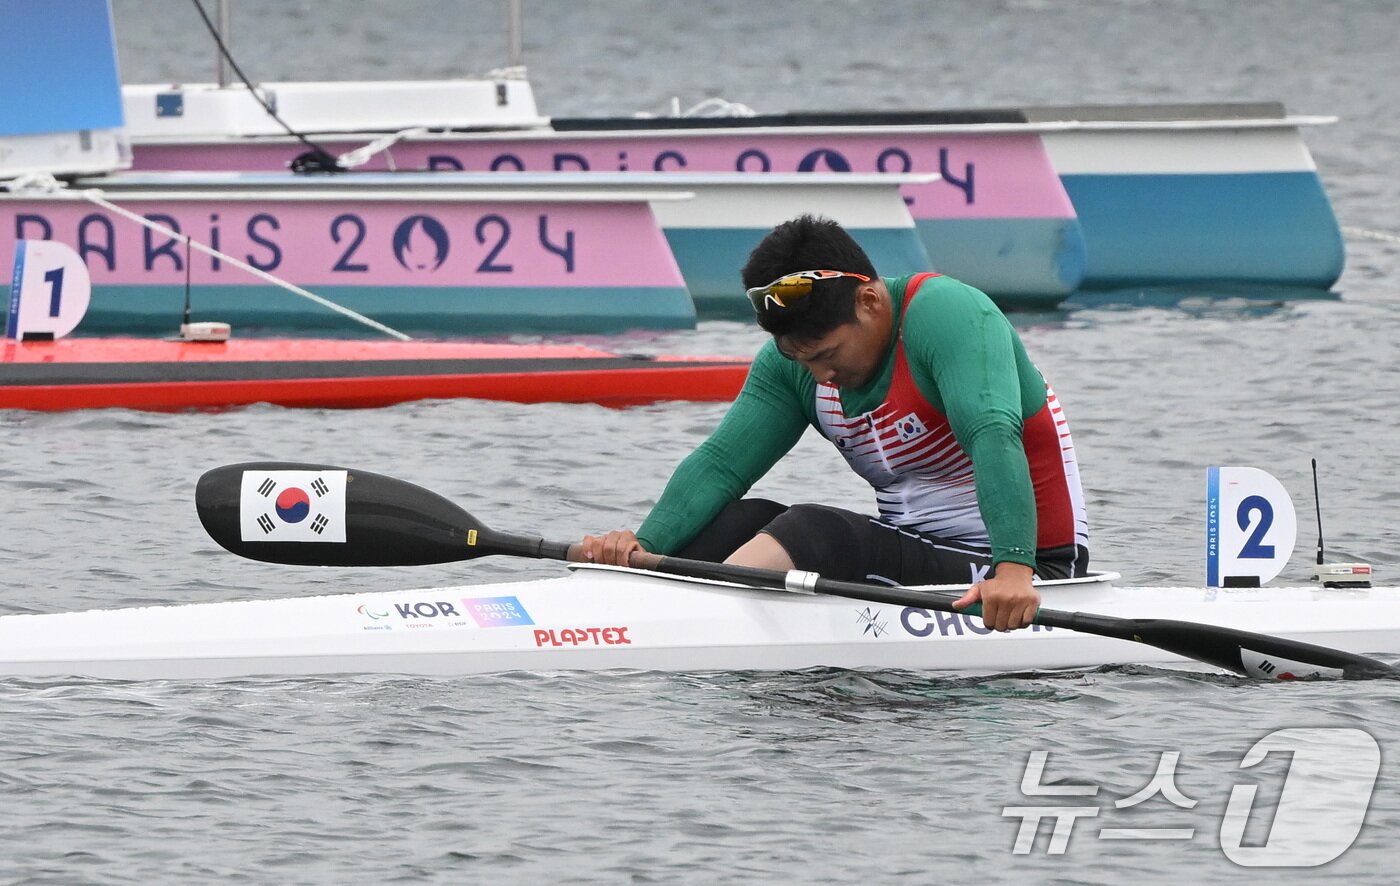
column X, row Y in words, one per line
column 49, row 291
column 1251, row 527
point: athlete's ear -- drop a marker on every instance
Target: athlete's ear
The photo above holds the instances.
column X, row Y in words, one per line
column 868, row 298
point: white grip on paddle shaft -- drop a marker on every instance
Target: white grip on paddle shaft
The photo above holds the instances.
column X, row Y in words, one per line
column 800, row 582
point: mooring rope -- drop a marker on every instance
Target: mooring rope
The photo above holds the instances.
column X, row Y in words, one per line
column 46, row 184
column 95, row 195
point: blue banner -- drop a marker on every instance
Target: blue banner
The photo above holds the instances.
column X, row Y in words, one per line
column 58, row 67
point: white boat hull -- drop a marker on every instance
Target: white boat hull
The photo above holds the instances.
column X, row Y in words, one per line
column 599, row 618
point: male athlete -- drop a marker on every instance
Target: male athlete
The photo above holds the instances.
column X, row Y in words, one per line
column 925, row 388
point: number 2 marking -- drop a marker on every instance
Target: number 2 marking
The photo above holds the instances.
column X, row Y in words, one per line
column 359, row 237
column 1253, row 548
column 488, row 264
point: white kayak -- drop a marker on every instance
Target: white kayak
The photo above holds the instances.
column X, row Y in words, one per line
column 597, row 618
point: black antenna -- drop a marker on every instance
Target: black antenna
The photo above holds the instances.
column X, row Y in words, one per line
column 1318, row 501
column 186, row 286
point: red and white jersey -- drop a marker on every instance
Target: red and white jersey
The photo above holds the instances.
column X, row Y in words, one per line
column 922, row 477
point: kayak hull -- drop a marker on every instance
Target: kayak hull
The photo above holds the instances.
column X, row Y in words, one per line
column 604, row 618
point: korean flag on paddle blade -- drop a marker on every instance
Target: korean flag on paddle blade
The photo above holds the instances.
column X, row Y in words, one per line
column 292, row 506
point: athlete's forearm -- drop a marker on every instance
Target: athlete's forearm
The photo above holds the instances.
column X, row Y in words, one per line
column 764, row 422
column 1005, row 496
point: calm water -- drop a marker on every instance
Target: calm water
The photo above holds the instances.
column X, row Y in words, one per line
column 817, row 777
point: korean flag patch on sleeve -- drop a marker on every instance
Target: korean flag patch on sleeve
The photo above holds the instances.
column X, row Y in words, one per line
column 292, row 506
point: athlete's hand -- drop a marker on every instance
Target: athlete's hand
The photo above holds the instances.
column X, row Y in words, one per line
column 613, row 549
column 1008, row 598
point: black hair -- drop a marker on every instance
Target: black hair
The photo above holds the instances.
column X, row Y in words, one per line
column 809, row 243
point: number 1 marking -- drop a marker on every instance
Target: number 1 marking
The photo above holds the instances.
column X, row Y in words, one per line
column 55, row 280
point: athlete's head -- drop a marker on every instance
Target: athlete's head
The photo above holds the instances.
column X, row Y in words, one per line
column 806, row 307
column 815, row 291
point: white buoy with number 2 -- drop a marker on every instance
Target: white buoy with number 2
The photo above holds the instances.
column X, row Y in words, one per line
column 1251, row 527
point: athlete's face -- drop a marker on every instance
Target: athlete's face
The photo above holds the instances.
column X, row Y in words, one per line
column 849, row 355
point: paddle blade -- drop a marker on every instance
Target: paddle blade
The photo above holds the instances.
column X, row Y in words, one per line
column 318, row 515
column 1261, row 656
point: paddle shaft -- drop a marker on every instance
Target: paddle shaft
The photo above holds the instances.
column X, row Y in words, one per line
column 1225, row 648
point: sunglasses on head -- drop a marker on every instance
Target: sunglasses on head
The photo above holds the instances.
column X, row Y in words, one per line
column 791, row 288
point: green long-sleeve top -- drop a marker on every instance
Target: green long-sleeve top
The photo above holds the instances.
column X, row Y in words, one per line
column 966, row 360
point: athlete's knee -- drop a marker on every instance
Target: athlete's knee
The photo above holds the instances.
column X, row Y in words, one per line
column 822, row 539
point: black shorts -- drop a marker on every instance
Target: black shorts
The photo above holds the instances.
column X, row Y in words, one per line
column 847, row 546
